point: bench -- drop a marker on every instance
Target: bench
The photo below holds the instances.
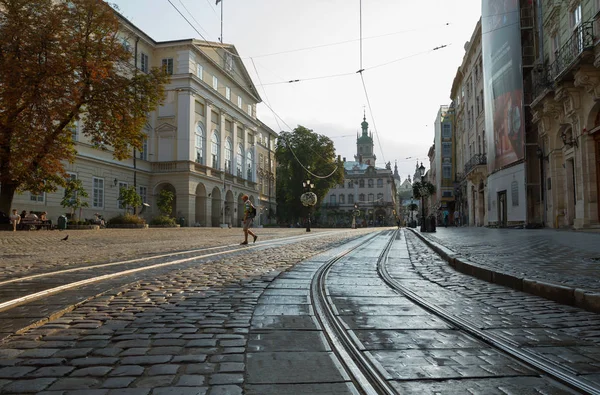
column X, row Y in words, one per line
column 34, row 224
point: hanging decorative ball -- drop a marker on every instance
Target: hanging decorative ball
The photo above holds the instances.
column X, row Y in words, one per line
column 308, row 199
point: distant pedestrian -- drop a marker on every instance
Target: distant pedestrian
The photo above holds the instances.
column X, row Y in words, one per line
column 249, row 212
column 15, row 219
column 446, row 215
column 23, row 214
column 456, row 218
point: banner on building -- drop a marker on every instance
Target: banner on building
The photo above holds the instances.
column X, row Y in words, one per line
column 503, row 81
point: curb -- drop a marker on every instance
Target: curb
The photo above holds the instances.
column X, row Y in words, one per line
column 581, row 298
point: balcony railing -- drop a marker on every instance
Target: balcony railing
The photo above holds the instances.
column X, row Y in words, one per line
column 544, row 76
column 476, row 160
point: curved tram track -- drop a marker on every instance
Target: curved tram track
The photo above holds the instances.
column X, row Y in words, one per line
column 367, row 374
column 83, row 283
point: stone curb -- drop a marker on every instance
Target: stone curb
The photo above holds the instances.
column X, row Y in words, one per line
column 581, row 298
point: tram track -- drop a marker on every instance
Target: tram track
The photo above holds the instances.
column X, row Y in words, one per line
column 369, row 377
column 536, row 361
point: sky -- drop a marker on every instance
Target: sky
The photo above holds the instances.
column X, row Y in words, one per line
column 404, row 80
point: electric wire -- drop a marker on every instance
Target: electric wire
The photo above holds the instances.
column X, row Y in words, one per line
column 192, row 16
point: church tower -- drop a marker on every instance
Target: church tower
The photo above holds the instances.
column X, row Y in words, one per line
column 364, row 145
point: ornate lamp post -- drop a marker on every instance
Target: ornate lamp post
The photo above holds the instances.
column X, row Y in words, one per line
column 308, row 200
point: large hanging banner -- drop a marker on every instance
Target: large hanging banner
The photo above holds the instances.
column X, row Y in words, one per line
column 503, row 79
column 504, row 116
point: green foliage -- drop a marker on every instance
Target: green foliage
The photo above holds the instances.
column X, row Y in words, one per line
column 316, row 152
column 127, row 219
column 165, row 202
column 129, row 197
column 74, row 194
column 163, row 220
column 423, row 189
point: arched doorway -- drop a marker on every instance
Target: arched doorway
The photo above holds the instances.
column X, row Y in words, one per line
column 200, row 217
column 216, row 202
column 229, row 208
column 240, row 209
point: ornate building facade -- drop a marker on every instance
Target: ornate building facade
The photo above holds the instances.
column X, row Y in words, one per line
column 369, row 189
column 204, row 143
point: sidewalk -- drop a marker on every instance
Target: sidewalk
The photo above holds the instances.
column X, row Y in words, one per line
column 559, row 265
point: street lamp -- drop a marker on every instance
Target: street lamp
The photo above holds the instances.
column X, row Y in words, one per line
column 308, row 199
column 423, row 192
column 355, row 213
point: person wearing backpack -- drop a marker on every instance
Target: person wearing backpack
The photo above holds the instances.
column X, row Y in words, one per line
column 249, row 214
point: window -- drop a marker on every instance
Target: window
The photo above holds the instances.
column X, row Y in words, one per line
column 97, row 192
column 371, row 197
column 249, row 162
column 122, row 185
column 370, row 183
column 199, row 144
column 144, row 151
column 446, row 150
column 214, row 149
column 240, row 160
column 446, row 131
column 350, row 184
column 228, row 155
column 361, row 184
column 555, row 46
column 144, row 194
column 37, row 198
column 144, row 66
column 351, row 199
column 380, row 197
column 215, row 83
column 199, row 71
column 228, row 93
column 361, row 197
column 167, row 65
column 342, row 199
column 239, row 101
column 332, row 199
column 446, row 172
column 379, row 183
column 74, row 127
column 250, row 109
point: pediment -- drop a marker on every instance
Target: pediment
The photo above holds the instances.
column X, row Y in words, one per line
column 166, row 129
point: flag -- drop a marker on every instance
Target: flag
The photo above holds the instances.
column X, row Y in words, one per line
column 218, row 1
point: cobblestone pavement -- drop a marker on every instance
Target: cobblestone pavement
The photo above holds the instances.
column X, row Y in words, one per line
column 562, row 257
column 43, row 251
column 181, row 333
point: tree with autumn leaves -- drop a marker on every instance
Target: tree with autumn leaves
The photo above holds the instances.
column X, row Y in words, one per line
column 63, row 61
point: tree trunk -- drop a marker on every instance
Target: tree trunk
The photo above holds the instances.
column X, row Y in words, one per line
column 7, row 192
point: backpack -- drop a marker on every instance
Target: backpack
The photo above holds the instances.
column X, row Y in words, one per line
column 252, row 212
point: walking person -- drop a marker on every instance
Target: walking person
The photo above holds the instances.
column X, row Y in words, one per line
column 15, row 219
column 456, row 218
column 249, row 213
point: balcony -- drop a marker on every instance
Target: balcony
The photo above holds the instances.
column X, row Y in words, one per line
column 331, row 205
column 473, row 163
column 544, row 77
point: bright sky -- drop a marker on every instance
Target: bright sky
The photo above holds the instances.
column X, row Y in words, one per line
column 311, row 40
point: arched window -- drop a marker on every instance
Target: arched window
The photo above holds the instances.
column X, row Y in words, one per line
column 228, row 155
column 342, row 199
column 361, row 183
column 361, row 197
column 370, row 197
column 370, row 183
column 350, row 184
column 380, row 197
column 215, row 149
column 351, row 198
column 240, row 161
column 332, row 199
column 249, row 165
column 379, row 183
column 199, row 144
